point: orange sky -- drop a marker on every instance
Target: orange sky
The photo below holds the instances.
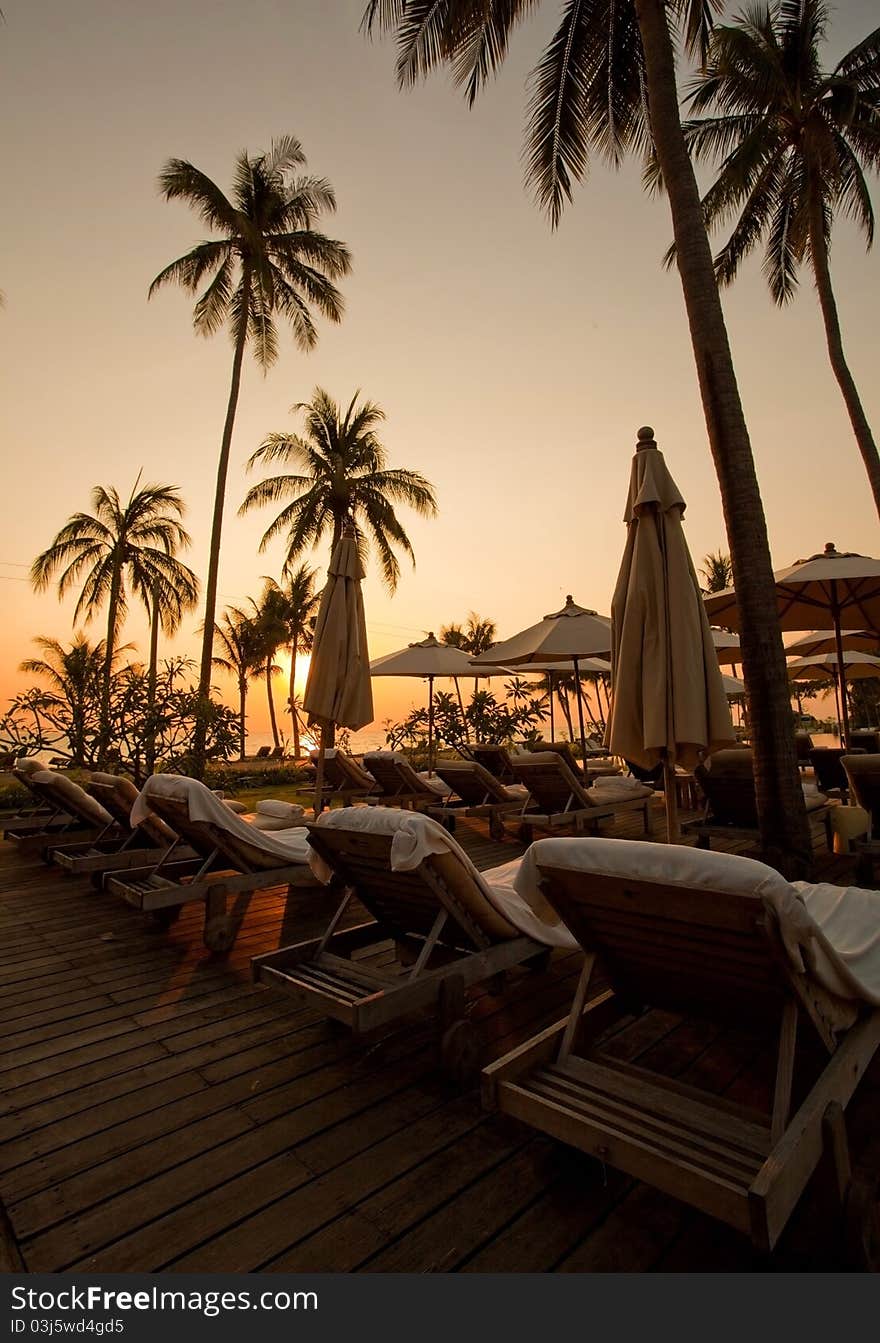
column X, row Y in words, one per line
column 514, row 364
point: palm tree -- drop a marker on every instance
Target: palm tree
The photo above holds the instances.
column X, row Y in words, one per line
column 242, row 653
column 717, row 571
column 269, row 614
column 75, row 676
column 267, row 261
column 344, row 478
column 607, row 83
column 474, row 637
column 122, row 545
column 795, row 142
column 297, row 604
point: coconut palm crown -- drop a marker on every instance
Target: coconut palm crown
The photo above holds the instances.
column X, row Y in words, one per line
column 794, row 143
column 342, row 478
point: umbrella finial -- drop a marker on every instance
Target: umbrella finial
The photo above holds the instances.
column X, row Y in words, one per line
column 645, row 437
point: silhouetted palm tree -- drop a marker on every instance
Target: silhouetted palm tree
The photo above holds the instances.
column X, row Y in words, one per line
column 606, row 83
column 75, row 676
column 795, row 142
column 121, row 546
column 268, row 261
column 297, row 604
column 343, row 479
column 717, row 571
column 242, row 653
column 269, row 613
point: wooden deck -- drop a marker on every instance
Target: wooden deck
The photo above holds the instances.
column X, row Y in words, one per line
column 160, row 1111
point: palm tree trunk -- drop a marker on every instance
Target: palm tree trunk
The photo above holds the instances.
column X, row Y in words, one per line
column 150, row 752
column 107, row 682
column 834, row 339
column 291, row 697
column 273, row 722
column 242, row 706
column 201, row 726
column 785, row 836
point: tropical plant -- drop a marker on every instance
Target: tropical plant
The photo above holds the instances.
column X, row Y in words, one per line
column 121, row 546
column 267, row 261
column 717, row 571
column 795, row 142
column 606, row 83
column 296, row 602
column 74, row 677
column 242, row 645
column 343, row 478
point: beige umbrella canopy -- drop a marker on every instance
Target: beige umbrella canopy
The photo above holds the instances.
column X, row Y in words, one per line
column 841, row 585
column 726, row 648
column 734, row 688
column 818, row 641
column 566, row 636
column 338, row 690
column 856, row 667
column 669, row 703
column 427, row 659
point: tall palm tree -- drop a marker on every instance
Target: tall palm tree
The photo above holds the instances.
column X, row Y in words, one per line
column 795, row 142
column 717, row 571
column 607, row 83
column 75, row 676
column 242, row 646
column 342, row 478
column 267, row 261
column 121, row 546
column 297, row 603
column 475, row 636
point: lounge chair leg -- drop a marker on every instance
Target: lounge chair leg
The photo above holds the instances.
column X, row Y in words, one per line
column 459, row 1044
column 496, row 828
column 220, row 929
column 526, row 833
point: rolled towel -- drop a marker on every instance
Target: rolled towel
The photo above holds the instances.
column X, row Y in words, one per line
column 289, row 812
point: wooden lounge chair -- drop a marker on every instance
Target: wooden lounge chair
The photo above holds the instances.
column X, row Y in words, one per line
column 706, row 934
column 803, row 744
column 496, row 759
column 451, row 927
column 828, row 768
column 728, row 783
column 40, row 813
column 69, row 815
column 865, row 739
column 476, row 792
column 232, row 858
column 398, row 784
column 596, row 764
column 344, row 778
column 560, row 800
column 863, row 774
column 126, row 846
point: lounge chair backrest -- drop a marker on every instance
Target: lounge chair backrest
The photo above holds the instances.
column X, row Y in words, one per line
column 395, row 777
column 472, row 782
column 118, row 795
column 563, row 750
column 62, row 792
column 203, row 822
column 830, row 774
column 408, row 902
column 680, row 948
column 863, row 773
column 866, row 739
column 496, row 759
column 803, row 746
column 552, row 785
column 344, row 774
column 728, row 781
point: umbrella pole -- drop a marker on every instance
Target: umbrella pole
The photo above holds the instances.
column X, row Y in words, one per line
column 841, row 667
column 552, row 726
column 580, row 698
column 430, row 726
column 673, row 833
column 319, row 773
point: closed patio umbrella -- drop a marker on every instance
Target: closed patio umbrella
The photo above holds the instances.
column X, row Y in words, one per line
column 338, row 690
column 837, row 586
column 566, row 636
column 428, row 659
column 668, row 700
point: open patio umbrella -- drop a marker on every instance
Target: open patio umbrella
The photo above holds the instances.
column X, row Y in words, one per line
column 819, row 641
column 428, row 659
column 566, row 636
column 726, row 648
column 856, row 667
column 338, row 691
column 836, row 586
column 669, row 703
column 734, row 688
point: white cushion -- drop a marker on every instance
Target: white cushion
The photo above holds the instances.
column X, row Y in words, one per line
column 291, row 812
